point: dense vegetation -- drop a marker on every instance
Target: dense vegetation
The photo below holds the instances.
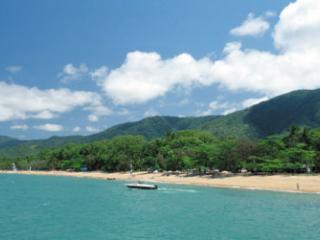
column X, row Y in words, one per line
column 278, row 114
column 296, row 152
column 150, row 128
column 267, row 118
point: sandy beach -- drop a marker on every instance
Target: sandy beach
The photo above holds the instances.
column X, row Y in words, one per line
column 285, row 183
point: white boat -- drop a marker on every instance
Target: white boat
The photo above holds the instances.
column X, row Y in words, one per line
column 142, row 186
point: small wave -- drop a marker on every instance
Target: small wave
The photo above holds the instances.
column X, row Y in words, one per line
column 172, row 190
column 45, row 204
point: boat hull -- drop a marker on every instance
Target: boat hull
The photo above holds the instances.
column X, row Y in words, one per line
column 143, row 186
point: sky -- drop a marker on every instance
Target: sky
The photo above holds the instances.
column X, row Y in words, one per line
column 79, row 67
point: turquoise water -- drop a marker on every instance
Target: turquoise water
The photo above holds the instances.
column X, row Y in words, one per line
column 43, row 207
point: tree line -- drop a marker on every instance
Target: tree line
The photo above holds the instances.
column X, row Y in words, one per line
column 298, row 151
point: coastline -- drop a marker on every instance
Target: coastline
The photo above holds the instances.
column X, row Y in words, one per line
column 280, row 183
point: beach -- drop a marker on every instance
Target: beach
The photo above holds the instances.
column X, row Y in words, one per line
column 285, row 183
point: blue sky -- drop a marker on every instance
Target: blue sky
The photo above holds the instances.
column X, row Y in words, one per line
column 77, row 67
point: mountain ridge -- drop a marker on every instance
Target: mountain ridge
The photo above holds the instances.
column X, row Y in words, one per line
column 267, row 118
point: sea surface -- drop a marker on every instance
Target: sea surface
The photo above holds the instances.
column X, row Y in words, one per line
column 61, row 208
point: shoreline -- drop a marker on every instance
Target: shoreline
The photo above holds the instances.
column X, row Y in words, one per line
column 278, row 183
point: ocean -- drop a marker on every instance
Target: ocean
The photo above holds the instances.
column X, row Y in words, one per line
column 65, row 208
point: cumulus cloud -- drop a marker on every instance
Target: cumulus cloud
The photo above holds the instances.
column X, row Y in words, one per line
column 13, row 69
column 99, row 74
column 218, row 106
column 295, row 65
column 20, row 127
column 20, row 102
column 252, row 26
column 123, row 112
column 230, row 110
column 269, row 14
column 49, row 127
column 93, row 118
column 226, row 108
column 145, row 76
column 151, row 113
column 253, row 101
column 298, row 27
column 91, row 129
column 71, row 73
column 97, row 112
column 76, row 129
column 44, row 115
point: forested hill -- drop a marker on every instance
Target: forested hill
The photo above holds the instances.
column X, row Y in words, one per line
column 8, row 142
column 267, row 118
column 276, row 115
column 150, row 128
column 153, row 127
column 10, row 147
column 271, row 117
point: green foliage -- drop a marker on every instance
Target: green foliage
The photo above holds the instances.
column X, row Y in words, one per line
column 278, row 114
column 5, row 164
column 262, row 120
column 296, row 152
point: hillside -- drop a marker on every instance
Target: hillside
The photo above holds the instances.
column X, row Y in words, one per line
column 264, row 119
column 270, row 117
column 276, row 115
column 152, row 127
column 8, row 141
column 15, row 148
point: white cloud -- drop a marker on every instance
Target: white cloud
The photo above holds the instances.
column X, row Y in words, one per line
column 252, row 26
column 150, row 113
column 229, row 107
column 253, row 101
column 93, row 118
column 270, row 14
column 13, row 69
column 20, row 127
column 20, row 102
column 204, row 112
column 216, row 105
column 100, row 110
column 49, row 127
column 146, row 76
column 297, row 66
column 123, row 112
column 72, row 73
column 298, row 27
column 97, row 112
column 99, row 74
column 91, row 129
column 44, row 115
column 230, row 110
column 76, row 129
